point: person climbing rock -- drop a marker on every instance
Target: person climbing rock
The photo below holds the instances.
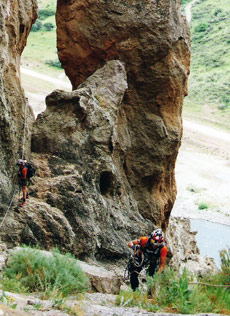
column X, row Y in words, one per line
column 148, row 251
column 22, row 179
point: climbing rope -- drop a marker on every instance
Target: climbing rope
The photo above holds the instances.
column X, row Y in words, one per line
column 25, row 126
column 23, row 156
column 8, row 207
column 207, row 284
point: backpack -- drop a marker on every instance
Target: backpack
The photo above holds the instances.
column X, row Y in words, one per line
column 30, row 170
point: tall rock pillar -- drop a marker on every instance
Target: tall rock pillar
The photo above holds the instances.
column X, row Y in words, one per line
column 151, row 38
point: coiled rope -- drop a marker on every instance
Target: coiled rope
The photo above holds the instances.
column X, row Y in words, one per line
column 23, row 156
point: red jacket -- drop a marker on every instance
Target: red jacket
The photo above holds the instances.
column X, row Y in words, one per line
column 23, row 172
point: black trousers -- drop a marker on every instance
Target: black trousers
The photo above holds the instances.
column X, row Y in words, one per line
column 135, row 270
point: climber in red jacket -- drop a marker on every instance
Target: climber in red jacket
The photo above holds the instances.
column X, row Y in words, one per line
column 22, row 179
column 150, row 251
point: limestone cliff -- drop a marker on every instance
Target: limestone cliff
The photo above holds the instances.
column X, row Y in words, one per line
column 151, row 38
column 16, row 18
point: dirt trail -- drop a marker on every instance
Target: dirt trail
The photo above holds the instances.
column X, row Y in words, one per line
column 188, row 11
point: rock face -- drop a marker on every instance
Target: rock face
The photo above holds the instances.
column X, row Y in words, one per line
column 80, row 175
column 16, row 18
column 151, row 38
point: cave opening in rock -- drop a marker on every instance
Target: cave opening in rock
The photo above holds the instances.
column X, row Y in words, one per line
column 106, row 183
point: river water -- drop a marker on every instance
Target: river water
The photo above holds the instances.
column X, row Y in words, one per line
column 211, row 238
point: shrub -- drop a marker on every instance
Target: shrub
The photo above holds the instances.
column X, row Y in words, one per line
column 202, row 27
column 225, row 99
column 48, row 26
column 37, row 26
column 55, row 275
column 54, row 63
column 172, row 292
column 225, row 265
column 45, row 13
column 184, row 1
column 217, row 11
column 203, row 206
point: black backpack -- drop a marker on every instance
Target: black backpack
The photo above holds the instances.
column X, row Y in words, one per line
column 30, row 170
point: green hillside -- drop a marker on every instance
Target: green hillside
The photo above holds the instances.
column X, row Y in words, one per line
column 40, row 53
column 209, row 82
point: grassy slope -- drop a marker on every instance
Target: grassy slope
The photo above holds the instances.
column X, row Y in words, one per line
column 209, row 82
column 41, row 45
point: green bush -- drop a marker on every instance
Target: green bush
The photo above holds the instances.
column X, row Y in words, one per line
column 54, row 63
column 45, row 13
column 225, row 99
column 29, row 270
column 202, row 27
column 225, row 265
column 37, row 26
column 203, row 206
column 217, row 11
column 185, row 1
column 48, row 26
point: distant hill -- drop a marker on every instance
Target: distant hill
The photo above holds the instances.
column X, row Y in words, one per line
column 209, row 81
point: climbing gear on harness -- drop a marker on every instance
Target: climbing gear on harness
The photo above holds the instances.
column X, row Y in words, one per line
column 136, row 260
column 138, row 256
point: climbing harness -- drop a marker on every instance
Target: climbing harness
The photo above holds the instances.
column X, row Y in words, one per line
column 23, row 156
